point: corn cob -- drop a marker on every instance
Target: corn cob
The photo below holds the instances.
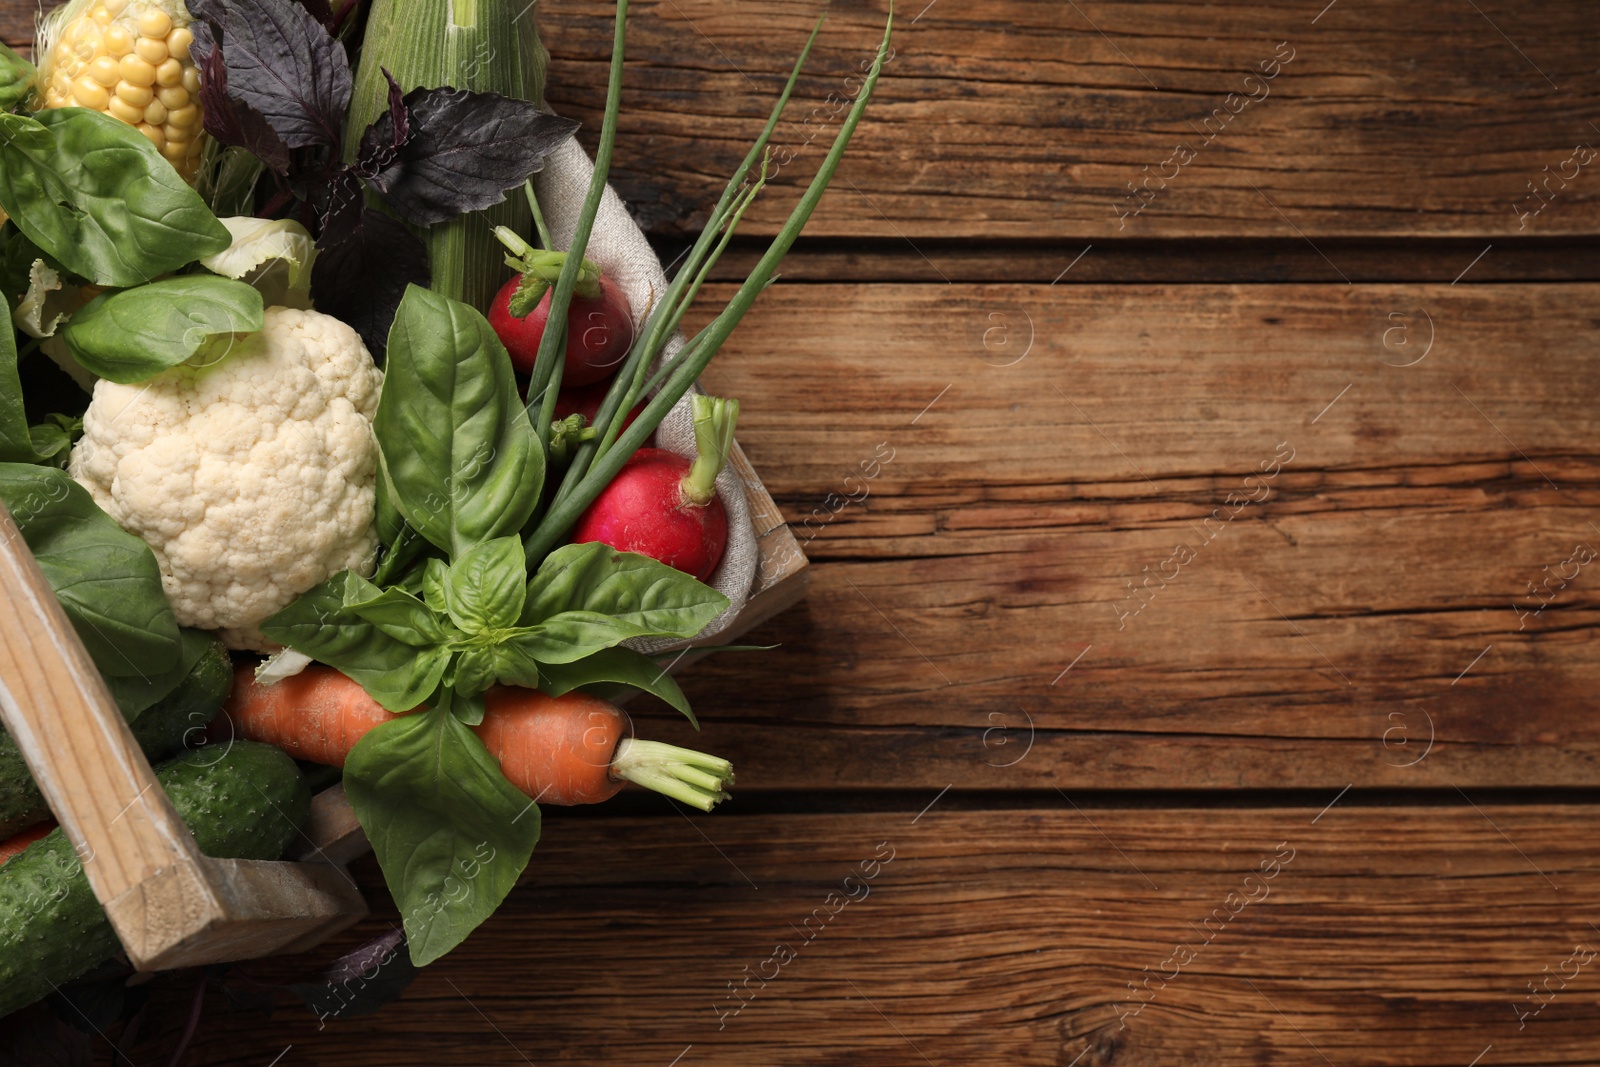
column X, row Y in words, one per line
column 130, row 59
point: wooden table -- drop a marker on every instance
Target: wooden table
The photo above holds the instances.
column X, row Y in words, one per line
column 1192, row 414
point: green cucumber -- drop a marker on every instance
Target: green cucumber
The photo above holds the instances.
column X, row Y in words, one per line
column 160, row 729
column 245, row 803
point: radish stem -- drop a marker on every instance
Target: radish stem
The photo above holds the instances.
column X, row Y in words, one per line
column 714, row 419
column 683, row 774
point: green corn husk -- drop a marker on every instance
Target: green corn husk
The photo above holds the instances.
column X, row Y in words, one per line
column 481, row 45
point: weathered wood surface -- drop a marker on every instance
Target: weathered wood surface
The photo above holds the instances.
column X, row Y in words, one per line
column 1029, row 118
column 1320, row 637
column 1384, row 936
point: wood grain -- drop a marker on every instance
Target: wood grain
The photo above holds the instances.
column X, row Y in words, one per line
column 1320, row 637
column 1029, row 118
column 1396, row 936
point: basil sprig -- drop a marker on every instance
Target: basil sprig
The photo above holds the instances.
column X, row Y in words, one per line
column 99, row 199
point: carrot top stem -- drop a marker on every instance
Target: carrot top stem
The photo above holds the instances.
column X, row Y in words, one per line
column 683, row 774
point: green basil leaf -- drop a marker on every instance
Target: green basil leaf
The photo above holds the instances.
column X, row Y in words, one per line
column 461, row 456
column 571, row 635
column 53, row 438
column 474, row 670
column 433, row 579
column 107, row 579
column 485, row 587
column 646, row 597
column 397, row 675
column 94, row 194
column 134, row 334
column 395, row 612
column 514, row 665
column 620, row 665
column 466, row 706
column 16, row 443
column 451, row 834
column 137, row 693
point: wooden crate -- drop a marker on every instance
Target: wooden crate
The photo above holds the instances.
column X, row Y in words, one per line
column 171, row 905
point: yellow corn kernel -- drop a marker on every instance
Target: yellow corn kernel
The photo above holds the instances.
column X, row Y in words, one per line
column 125, row 111
column 119, row 42
column 175, row 150
column 136, row 71
column 173, row 96
column 91, row 94
column 137, row 95
column 105, row 71
column 155, row 23
column 169, row 72
column 191, row 80
column 157, row 138
column 115, row 7
column 184, row 117
column 150, row 50
column 155, row 113
column 178, row 42
column 174, row 133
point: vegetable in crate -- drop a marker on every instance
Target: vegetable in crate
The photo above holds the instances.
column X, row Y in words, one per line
column 245, row 803
column 128, row 59
column 663, row 506
column 599, row 325
column 252, row 478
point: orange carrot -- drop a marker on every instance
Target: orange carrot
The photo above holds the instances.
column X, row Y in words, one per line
column 23, row 838
column 571, row 749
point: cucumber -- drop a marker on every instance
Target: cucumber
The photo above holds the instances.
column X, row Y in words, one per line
column 159, row 729
column 246, row 804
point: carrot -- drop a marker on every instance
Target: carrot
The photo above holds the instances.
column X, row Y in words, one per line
column 571, row 749
column 23, row 838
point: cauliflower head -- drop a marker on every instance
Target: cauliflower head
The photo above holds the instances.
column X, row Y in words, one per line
column 252, row 478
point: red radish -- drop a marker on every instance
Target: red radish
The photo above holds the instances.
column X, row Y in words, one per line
column 599, row 321
column 585, row 400
column 665, row 507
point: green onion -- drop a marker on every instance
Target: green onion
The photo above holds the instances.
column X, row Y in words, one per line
column 688, row 367
column 481, row 45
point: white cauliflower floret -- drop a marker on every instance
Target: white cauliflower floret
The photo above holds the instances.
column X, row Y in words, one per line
column 252, row 478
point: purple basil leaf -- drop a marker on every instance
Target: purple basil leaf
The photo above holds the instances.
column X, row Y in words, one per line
column 340, row 203
column 235, row 123
column 382, row 141
column 362, row 279
column 281, row 62
column 465, row 151
column 362, row 981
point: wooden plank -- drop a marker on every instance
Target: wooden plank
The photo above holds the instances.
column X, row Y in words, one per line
column 170, row 904
column 1403, row 936
column 1035, row 119
column 1369, row 602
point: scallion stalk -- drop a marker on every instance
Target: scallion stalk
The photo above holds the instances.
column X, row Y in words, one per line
column 565, row 511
